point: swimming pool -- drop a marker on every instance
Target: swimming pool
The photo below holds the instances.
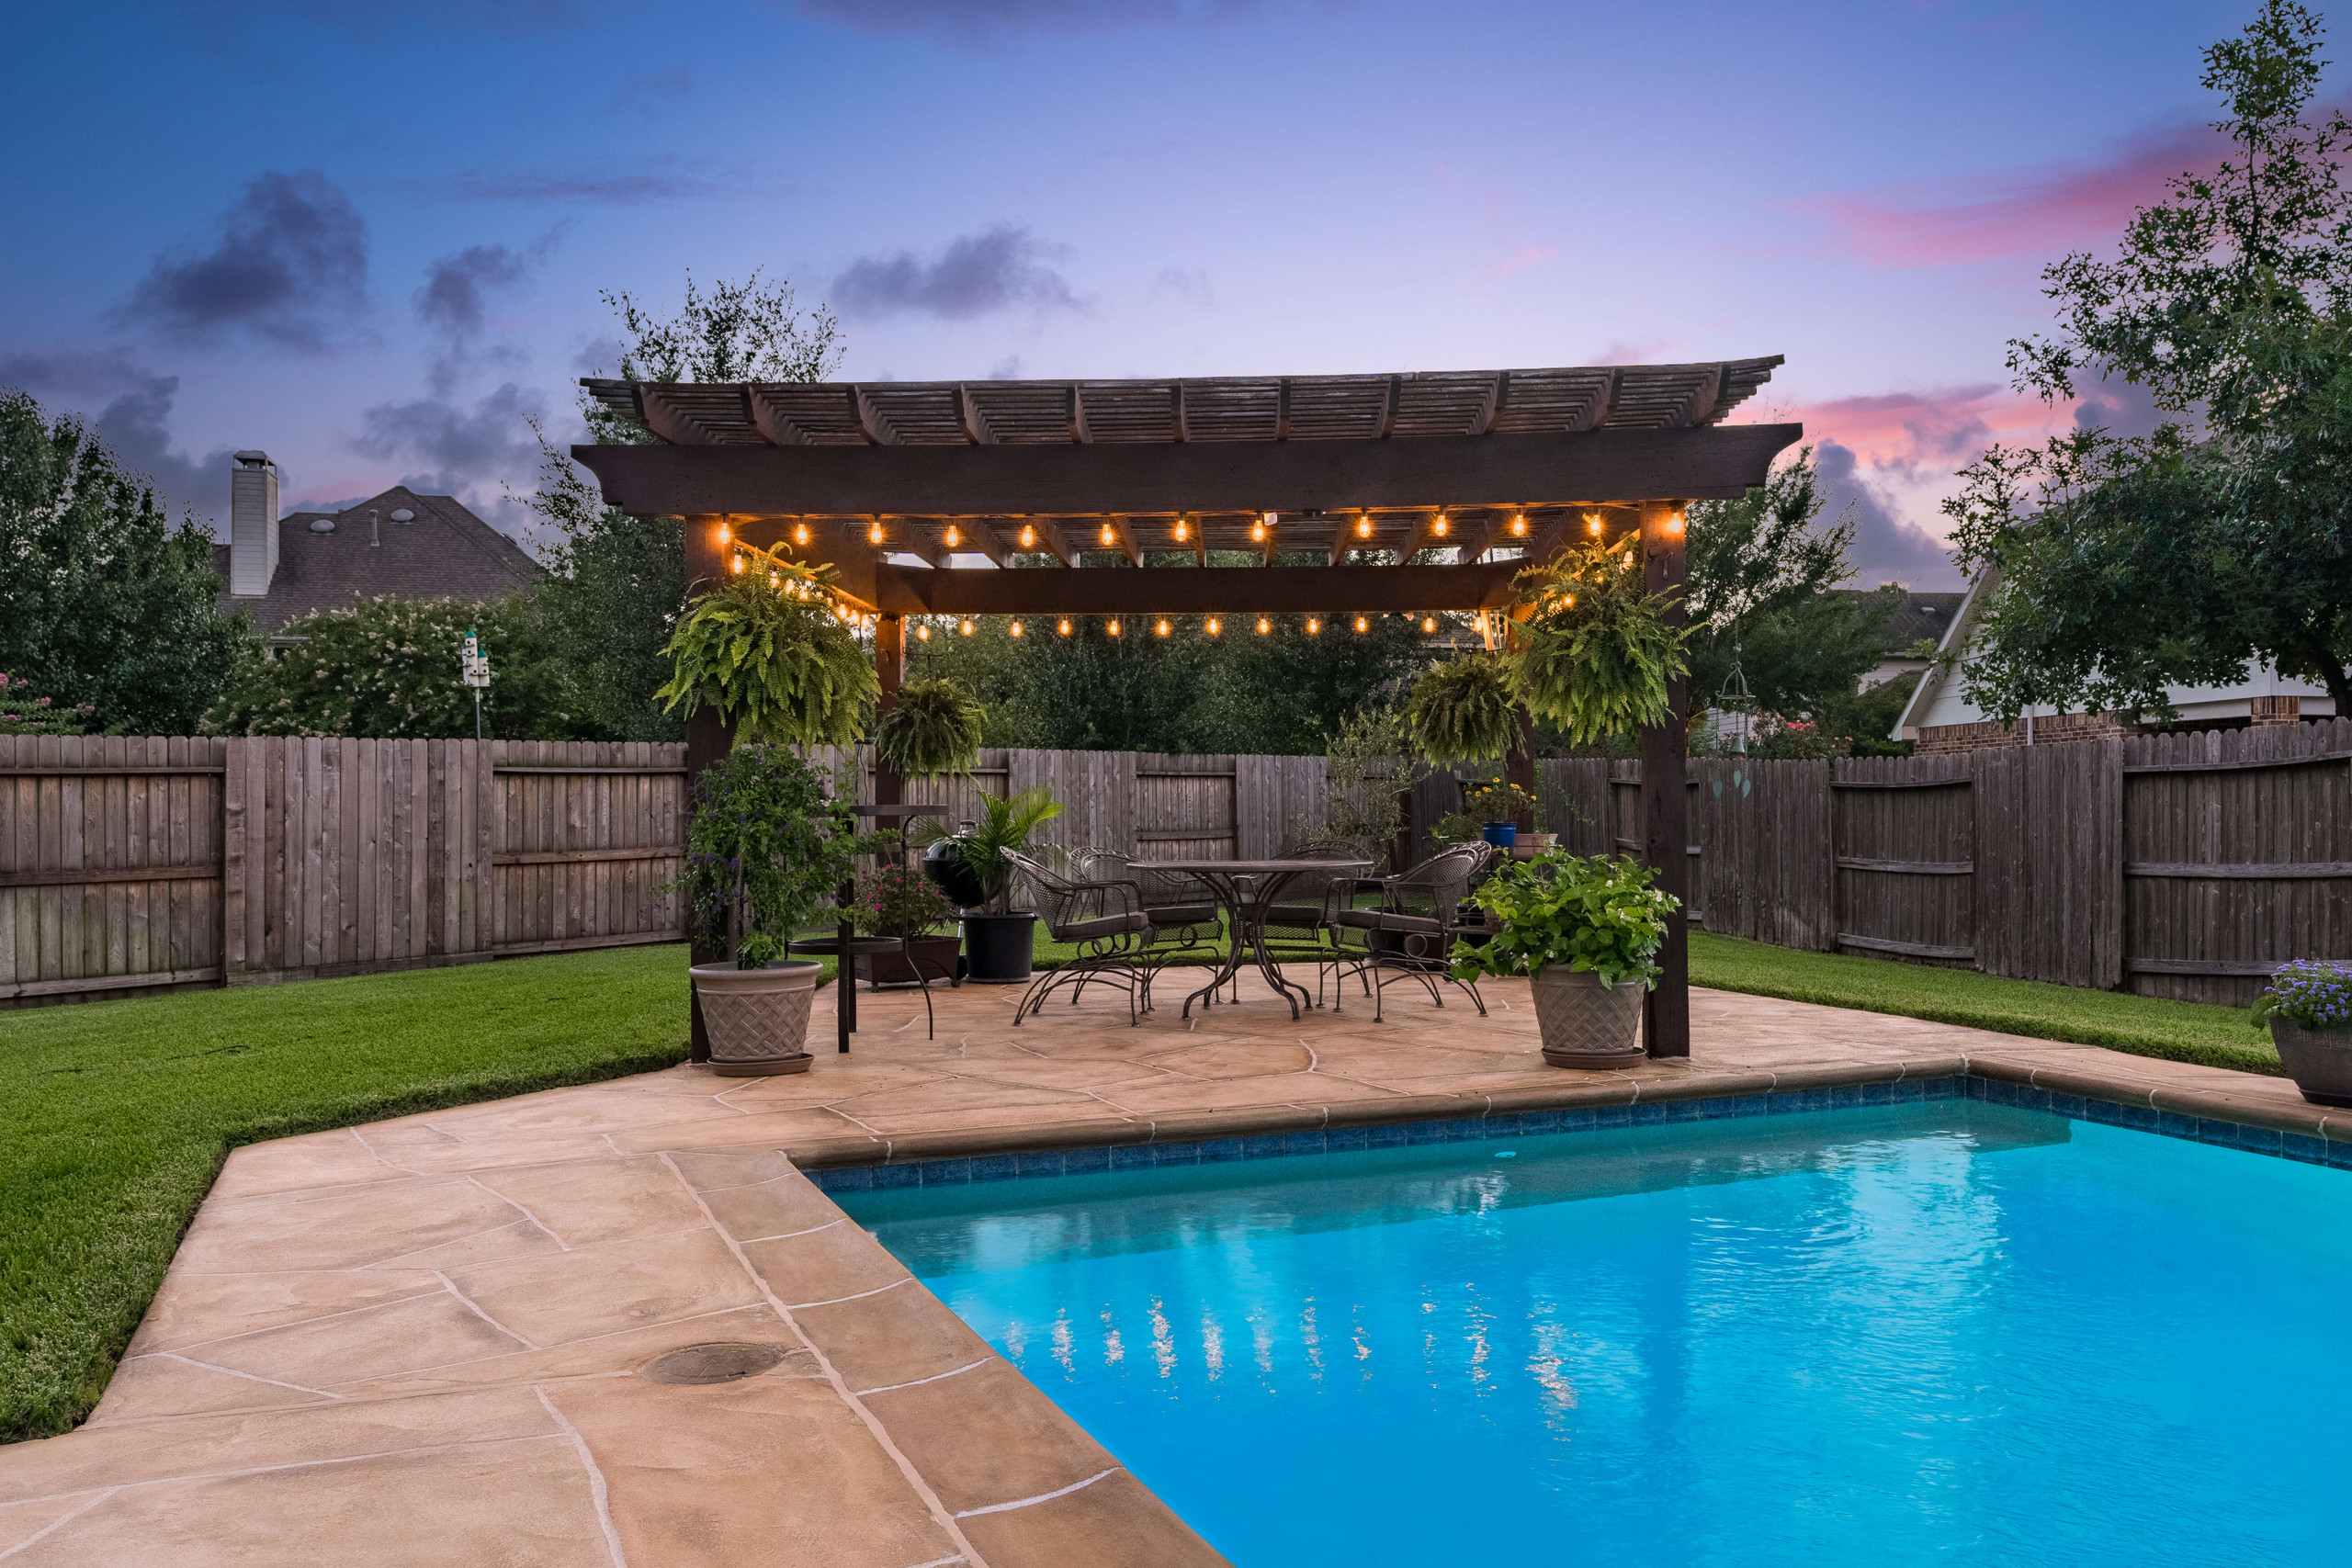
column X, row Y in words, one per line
column 1945, row 1330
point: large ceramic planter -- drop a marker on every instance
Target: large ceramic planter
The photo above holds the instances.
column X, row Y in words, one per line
column 926, row 958
column 2319, row 1060
column 997, row 947
column 1585, row 1021
column 757, row 1018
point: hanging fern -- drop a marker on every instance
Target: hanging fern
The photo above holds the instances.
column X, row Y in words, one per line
column 932, row 733
column 1463, row 711
column 775, row 660
column 1595, row 654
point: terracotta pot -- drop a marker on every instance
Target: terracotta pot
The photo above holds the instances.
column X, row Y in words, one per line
column 1585, row 1023
column 2319, row 1060
column 926, row 958
column 757, row 1018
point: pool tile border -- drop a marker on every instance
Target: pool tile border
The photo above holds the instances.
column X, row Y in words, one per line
column 1143, row 1155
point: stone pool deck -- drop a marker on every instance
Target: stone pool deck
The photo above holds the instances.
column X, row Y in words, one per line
column 439, row 1339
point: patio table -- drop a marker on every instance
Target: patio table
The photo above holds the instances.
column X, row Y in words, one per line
column 1240, row 885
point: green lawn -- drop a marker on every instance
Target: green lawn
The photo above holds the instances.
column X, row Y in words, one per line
column 118, row 1115
column 2145, row 1026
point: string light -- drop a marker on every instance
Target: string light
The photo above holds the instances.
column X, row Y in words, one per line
column 1674, row 523
column 1264, row 626
column 1626, row 560
column 1257, row 530
column 874, row 533
column 1015, row 628
column 1109, row 538
column 1438, row 526
column 1592, row 522
column 722, row 533
column 1180, row 530
column 1313, row 625
column 1428, row 623
column 800, row 534
column 1362, row 625
column 1364, row 526
column 1113, row 628
column 953, row 537
column 1518, row 525
column 1028, row 536
column 965, row 628
column 922, row 632
column 1062, row 627
column 1214, row 625
column 737, row 563
column 775, row 581
column 1159, row 628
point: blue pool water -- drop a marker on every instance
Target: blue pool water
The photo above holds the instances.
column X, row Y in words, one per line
column 1948, row 1331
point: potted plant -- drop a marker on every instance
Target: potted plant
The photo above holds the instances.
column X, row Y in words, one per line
column 970, row 868
column 899, row 901
column 1497, row 808
column 933, row 731
column 766, row 846
column 1463, row 711
column 2308, row 1006
column 1585, row 933
column 1594, row 653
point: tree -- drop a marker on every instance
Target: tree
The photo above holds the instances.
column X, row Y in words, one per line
column 386, row 668
column 2121, row 566
column 1766, row 587
column 106, row 605
column 616, row 580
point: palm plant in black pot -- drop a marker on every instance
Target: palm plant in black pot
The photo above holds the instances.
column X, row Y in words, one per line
column 970, row 868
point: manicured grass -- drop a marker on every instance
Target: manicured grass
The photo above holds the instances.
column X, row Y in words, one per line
column 118, row 1115
column 2145, row 1026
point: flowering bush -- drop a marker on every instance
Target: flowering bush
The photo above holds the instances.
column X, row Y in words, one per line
column 21, row 713
column 2314, row 992
column 899, row 901
column 1600, row 914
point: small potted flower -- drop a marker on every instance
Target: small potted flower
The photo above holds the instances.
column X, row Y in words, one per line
column 766, row 846
column 1497, row 809
column 901, row 901
column 1586, row 932
column 2308, row 1006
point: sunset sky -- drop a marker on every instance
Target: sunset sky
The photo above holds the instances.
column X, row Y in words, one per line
column 373, row 247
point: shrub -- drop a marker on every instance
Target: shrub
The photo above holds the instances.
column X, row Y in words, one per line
column 1600, row 914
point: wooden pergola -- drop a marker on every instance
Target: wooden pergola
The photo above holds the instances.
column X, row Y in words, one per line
column 1045, row 498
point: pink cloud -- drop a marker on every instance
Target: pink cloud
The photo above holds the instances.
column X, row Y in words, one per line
column 2040, row 210
column 1522, row 258
column 1941, row 429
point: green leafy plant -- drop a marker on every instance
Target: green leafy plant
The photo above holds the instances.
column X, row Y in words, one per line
column 1599, row 913
column 933, row 731
column 1455, row 828
column 775, row 659
column 897, row 900
column 1366, row 772
column 765, row 847
column 1595, row 654
column 1005, row 823
column 1500, row 803
column 1464, row 710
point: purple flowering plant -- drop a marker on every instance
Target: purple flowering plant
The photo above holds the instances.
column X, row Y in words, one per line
column 2315, row 993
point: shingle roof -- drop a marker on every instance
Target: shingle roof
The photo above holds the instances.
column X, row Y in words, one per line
column 1923, row 618
column 445, row 552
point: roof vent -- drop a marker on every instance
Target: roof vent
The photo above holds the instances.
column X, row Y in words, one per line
column 403, row 514
column 321, row 525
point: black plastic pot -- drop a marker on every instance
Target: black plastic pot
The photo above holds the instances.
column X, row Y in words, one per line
column 944, row 867
column 997, row 947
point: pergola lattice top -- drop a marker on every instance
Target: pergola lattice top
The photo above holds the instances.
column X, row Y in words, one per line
column 1220, row 409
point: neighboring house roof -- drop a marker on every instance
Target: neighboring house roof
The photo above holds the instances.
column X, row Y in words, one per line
column 442, row 552
column 1924, row 618
column 1938, row 700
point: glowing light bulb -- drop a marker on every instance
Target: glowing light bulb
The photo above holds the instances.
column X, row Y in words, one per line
column 1257, row 530
column 965, row 628
column 1264, row 626
column 1428, row 623
column 722, row 533
column 1362, row 625
column 1180, row 530
column 1570, row 603
column 775, row 581
column 1674, row 523
column 737, row 563
column 1015, row 628
column 1113, row 628
column 1109, row 538
column 1159, row 628
column 1518, row 525
column 1062, row 627
column 922, row 633
column 1626, row 560
column 1028, row 536
column 873, row 535
column 1438, row 526
column 1313, row 625
column 1364, row 526
column 800, row 534
column 1592, row 522
column 952, row 536
column 1214, row 625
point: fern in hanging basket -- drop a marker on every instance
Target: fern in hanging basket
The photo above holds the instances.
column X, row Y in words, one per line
column 932, row 733
column 775, row 659
column 1463, row 711
column 1595, row 654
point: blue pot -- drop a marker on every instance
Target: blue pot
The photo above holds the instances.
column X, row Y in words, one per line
column 1502, row 835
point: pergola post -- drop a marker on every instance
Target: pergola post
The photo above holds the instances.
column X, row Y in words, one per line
column 890, row 670
column 1665, row 808
column 708, row 737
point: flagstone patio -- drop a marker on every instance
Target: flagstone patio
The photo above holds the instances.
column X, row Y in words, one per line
column 441, row 1338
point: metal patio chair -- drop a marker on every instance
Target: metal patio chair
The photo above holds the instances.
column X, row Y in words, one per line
column 1409, row 933
column 1103, row 919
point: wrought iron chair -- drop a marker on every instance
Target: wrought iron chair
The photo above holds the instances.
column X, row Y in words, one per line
column 1105, row 921
column 1185, row 922
column 1409, row 933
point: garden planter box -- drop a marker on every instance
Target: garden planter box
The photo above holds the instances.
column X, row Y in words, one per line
column 926, row 958
column 757, row 1018
column 1585, row 1022
column 2319, row 1060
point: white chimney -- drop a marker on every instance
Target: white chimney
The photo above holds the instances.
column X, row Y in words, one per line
column 253, row 524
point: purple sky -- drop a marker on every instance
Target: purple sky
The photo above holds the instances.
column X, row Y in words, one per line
column 374, row 248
